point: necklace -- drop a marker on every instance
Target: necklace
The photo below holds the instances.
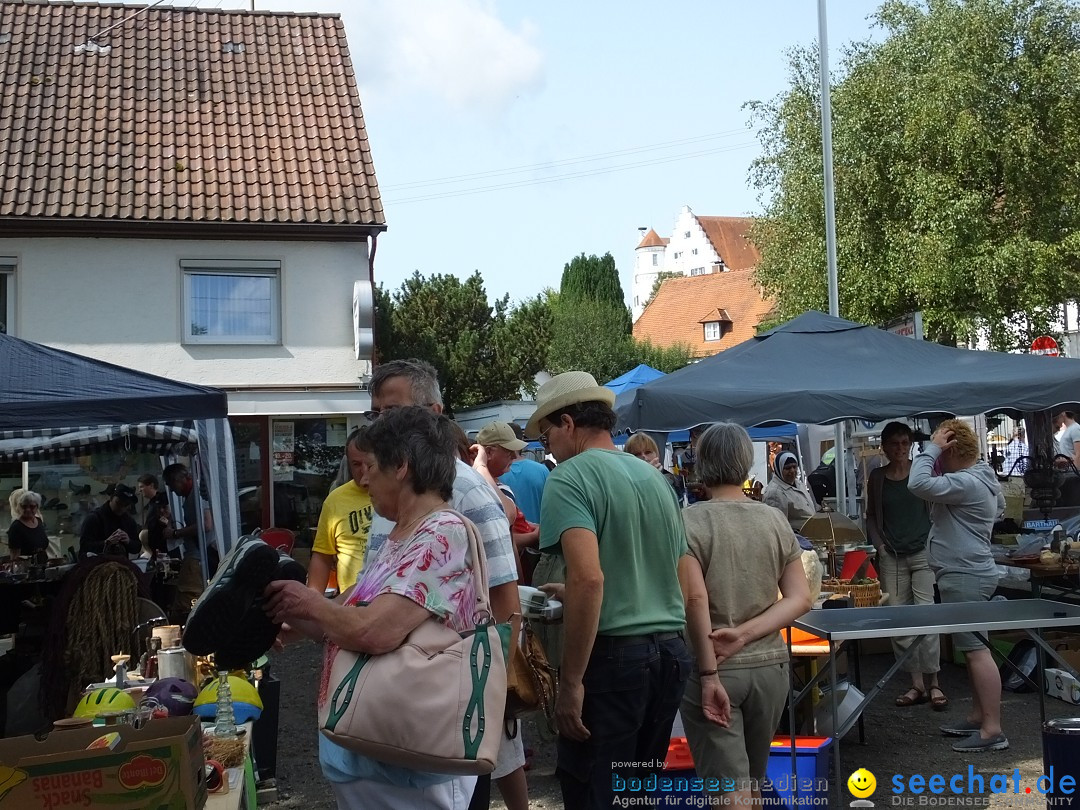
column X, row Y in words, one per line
column 401, row 530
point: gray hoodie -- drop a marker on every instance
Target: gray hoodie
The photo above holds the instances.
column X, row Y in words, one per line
column 963, row 508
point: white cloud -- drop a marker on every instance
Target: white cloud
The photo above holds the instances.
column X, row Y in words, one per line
column 457, row 50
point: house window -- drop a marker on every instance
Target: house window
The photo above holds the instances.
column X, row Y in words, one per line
column 694, row 251
column 686, row 234
column 231, row 301
column 712, row 330
column 7, row 296
column 655, row 260
column 697, row 271
column 678, row 256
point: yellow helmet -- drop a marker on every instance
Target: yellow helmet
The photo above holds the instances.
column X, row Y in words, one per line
column 247, row 705
column 107, row 699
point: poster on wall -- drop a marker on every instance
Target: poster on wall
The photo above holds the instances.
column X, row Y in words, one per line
column 336, row 432
column 284, row 448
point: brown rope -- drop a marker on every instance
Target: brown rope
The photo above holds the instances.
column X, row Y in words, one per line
column 101, row 617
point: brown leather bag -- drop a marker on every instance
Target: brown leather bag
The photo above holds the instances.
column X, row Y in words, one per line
column 531, row 681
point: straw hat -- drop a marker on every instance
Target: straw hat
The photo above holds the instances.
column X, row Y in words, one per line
column 569, row 388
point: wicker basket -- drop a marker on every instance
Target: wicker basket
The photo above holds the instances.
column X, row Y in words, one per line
column 867, row 595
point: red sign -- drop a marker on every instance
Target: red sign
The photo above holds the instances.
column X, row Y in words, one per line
column 1045, row 345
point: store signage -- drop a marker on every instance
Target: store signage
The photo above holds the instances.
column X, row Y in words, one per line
column 1046, row 346
column 909, row 325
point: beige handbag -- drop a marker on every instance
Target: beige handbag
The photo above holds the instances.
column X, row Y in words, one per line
column 435, row 703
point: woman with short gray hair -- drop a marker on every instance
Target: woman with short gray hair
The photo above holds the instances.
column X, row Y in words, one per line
column 27, row 534
column 746, row 550
column 424, row 568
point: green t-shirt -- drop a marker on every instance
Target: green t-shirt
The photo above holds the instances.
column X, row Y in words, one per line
column 904, row 517
column 635, row 516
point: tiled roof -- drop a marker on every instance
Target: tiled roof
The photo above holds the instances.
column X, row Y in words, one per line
column 652, row 239
column 192, row 115
column 683, row 304
column 729, row 237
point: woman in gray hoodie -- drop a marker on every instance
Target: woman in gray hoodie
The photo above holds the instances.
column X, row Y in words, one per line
column 965, row 501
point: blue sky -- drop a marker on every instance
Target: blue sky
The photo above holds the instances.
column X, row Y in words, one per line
column 476, row 87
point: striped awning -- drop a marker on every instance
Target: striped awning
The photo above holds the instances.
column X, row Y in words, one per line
column 161, row 438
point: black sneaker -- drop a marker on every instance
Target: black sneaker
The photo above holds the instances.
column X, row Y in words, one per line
column 228, row 620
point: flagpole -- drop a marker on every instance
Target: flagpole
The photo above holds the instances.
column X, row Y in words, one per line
column 830, row 231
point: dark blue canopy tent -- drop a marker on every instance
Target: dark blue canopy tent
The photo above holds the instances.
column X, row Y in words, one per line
column 817, row 369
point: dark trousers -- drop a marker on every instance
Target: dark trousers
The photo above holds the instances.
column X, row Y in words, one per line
column 633, row 687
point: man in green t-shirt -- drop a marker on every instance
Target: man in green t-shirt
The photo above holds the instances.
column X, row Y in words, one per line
column 616, row 522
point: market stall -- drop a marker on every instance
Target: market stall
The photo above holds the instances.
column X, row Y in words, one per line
column 59, row 405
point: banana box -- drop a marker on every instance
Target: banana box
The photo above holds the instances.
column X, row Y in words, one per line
column 157, row 767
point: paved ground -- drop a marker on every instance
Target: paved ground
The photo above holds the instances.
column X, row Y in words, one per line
column 902, row 742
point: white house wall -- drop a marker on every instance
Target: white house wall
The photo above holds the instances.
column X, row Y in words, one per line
column 119, row 300
column 678, row 256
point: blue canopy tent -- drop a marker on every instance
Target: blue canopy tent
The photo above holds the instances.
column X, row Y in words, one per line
column 642, row 374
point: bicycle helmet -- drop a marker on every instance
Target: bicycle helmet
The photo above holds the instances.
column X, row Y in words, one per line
column 247, row 705
column 107, row 699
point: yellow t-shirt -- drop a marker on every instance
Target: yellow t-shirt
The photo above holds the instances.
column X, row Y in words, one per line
column 344, row 524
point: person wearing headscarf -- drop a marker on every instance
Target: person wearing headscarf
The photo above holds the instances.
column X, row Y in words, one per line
column 786, row 493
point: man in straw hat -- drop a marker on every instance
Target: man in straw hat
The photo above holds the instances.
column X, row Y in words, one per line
column 616, row 522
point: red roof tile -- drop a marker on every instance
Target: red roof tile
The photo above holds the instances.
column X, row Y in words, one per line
column 172, row 125
column 729, row 238
column 651, row 239
column 683, row 304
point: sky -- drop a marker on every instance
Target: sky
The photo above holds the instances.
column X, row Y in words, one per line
column 509, row 137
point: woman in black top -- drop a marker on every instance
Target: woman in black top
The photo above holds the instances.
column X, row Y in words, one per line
column 27, row 534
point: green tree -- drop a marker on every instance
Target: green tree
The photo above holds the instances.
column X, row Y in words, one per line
column 956, row 153
column 595, row 278
column 482, row 352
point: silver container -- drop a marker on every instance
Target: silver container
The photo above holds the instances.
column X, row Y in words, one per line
column 176, row 662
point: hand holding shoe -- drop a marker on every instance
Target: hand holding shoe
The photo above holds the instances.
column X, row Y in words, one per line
column 288, row 601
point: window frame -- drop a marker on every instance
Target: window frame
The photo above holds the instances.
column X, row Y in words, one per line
column 252, row 268
column 8, row 267
column 719, row 331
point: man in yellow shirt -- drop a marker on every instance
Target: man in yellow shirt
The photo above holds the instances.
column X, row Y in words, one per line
column 344, row 523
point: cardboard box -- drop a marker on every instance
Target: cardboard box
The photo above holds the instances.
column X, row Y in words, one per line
column 1063, row 686
column 157, row 767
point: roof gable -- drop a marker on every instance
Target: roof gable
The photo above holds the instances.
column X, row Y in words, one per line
column 175, row 123
column 684, row 304
column 729, row 239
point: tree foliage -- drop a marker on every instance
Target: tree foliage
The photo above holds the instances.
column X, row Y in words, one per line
column 482, row 352
column 591, row 326
column 956, row 155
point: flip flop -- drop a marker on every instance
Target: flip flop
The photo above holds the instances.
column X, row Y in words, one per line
column 938, row 703
column 906, row 699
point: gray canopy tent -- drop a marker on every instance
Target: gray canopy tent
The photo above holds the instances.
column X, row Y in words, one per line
column 817, row 369
column 57, row 404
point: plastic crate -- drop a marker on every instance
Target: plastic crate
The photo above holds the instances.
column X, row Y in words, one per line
column 811, row 771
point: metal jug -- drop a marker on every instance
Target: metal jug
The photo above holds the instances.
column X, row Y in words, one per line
column 176, row 662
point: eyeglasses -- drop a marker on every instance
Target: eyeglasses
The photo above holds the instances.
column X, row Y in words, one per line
column 543, row 437
column 372, row 415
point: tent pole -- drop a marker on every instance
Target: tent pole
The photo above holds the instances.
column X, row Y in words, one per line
column 200, row 521
column 26, row 475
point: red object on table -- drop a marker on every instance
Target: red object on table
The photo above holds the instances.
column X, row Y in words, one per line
column 852, row 561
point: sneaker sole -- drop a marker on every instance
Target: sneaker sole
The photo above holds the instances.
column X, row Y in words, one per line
column 1001, row 745
column 228, row 620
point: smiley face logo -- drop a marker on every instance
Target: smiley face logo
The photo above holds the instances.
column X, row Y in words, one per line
column 861, row 783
